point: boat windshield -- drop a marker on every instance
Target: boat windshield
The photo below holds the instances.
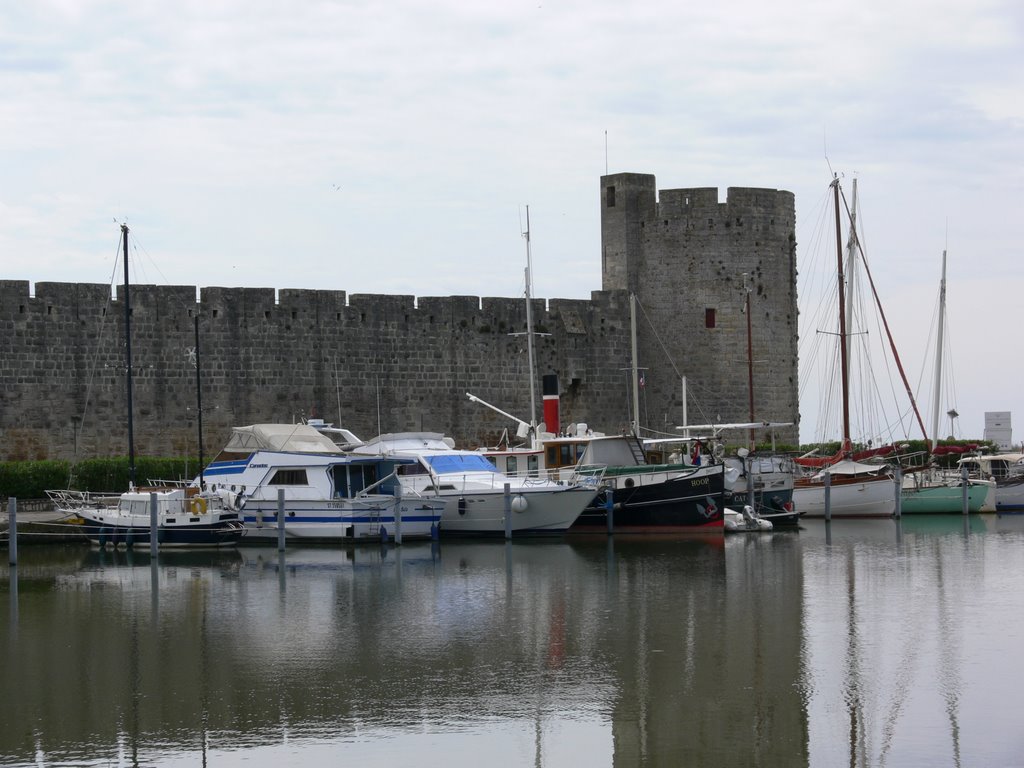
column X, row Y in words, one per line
column 459, row 463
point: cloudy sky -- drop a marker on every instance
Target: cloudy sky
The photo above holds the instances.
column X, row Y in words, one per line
column 392, row 147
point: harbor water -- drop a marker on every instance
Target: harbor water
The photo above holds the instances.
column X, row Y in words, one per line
column 851, row 643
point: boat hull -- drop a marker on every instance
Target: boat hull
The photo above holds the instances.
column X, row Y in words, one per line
column 687, row 502
column 942, row 499
column 543, row 511
column 212, row 530
column 331, row 521
column 875, row 497
column 1010, row 495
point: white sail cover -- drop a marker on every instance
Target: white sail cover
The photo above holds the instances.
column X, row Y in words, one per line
column 300, row 438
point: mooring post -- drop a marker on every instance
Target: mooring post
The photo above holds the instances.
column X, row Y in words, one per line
column 748, row 467
column 12, row 530
column 966, row 488
column 508, row 511
column 898, row 480
column 828, row 496
column 280, row 519
column 153, row 527
column 398, row 512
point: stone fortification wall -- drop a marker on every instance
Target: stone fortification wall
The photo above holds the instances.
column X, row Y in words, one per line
column 376, row 363
column 359, row 361
column 685, row 254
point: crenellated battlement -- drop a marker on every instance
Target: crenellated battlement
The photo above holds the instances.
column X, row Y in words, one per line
column 376, row 362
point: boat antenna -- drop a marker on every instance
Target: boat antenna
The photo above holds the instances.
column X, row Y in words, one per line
column 128, row 359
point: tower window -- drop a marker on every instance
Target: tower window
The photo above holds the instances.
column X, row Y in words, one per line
column 610, row 196
column 709, row 317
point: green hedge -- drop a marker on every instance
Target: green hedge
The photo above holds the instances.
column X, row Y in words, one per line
column 31, row 479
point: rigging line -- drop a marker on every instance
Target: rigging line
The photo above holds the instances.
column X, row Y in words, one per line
column 892, row 343
column 137, row 246
column 105, row 325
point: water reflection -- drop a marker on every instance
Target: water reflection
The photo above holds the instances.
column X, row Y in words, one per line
column 852, row 642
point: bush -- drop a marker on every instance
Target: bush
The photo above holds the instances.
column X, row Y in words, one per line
column 31, row 479
column 28, row 479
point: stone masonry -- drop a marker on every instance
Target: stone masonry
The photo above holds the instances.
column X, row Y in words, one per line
column 377, row 363
column 687, row 257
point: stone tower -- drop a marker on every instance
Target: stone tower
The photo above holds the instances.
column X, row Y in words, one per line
column 690, row 260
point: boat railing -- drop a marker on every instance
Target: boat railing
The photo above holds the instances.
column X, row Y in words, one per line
column 71, row 500
column 495, row 481
column 588, row 475
column 367, row 491
column 159, row 483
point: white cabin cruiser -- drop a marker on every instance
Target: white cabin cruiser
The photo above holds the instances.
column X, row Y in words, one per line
column 474, row 490
column 329, row 495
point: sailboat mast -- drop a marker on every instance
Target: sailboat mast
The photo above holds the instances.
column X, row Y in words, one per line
column 843, row 356
column 936, row 404
column 128, row 358
column 750, row 357
column 851, row 270
column 529, row 329
column 892, row 343
column 636, row 393
column 199, row 404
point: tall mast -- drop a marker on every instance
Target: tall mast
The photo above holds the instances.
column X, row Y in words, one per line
column 851, row 270
column 128, row 359
column 750, row 356
column 892, row 342
column 529, row 330
column 843, row 356
column 636, row 393
column 938, row 356
column 199, row 404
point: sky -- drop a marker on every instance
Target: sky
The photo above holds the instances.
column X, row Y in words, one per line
column 394, row 147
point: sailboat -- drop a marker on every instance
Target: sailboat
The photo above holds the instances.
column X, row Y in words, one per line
column 184, row 516
column 930, row 490
column 854, row 488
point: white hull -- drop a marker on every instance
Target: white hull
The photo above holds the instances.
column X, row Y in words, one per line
column 1009, row 496
column 478, row 512
column 866, row 498
column 341, row 520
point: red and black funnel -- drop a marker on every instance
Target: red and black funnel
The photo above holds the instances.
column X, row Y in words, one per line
column 549, row 384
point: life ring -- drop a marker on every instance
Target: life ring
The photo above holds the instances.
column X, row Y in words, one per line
column 197, row 505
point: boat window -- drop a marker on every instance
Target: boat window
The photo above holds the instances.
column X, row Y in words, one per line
column 511, row 465
column 552, row 457
column 289, row 477
column 460, row 462
column 361, row 476
column 414, row 468
column 533, row 465
column 566, row 455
